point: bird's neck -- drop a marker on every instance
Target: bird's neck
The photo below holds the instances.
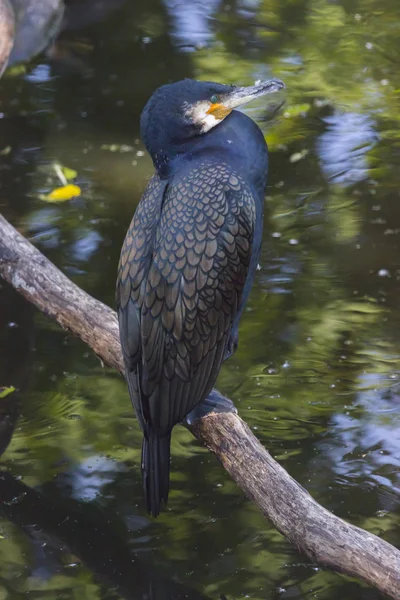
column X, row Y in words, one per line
column 237, row 140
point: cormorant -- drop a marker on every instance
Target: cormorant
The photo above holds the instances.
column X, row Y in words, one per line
column 189, row 257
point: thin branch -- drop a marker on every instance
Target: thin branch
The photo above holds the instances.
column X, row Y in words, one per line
column 323, row 537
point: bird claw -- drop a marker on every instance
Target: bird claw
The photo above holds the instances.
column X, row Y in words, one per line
column 214, row 403
column 232, row 345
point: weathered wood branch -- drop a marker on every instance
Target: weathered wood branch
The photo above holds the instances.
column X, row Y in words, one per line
column 323, row 537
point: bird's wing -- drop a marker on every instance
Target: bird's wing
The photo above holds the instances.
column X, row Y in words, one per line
column 134, row 264
column 194, row 285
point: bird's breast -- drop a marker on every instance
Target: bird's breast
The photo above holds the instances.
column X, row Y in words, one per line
column 236, row 142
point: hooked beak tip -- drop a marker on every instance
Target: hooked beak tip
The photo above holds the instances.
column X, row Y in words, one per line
column 267, row 87
column 280, row 84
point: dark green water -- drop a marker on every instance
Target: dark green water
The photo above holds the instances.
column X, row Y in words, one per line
column 318, row 366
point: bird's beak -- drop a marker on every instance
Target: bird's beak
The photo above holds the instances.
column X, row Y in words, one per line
column 242, row 95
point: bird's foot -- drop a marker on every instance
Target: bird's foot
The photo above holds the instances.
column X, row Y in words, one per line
column 214, row 403
column 232, row 344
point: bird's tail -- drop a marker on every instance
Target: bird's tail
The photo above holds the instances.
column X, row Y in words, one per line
column 155, row 470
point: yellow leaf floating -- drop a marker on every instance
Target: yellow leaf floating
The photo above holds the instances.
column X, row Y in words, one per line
column 69, row 173
column 6, row 391
column 61, row 194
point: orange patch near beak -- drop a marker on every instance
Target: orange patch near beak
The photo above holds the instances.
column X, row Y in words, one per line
column 219, row 111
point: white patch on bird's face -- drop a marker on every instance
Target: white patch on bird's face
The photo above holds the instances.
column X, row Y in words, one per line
column 209, row 122
column 197, row 114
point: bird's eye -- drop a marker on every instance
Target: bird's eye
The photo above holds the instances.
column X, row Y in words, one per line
column 214, row 99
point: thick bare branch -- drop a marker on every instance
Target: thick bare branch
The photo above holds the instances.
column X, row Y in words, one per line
column 316, row 532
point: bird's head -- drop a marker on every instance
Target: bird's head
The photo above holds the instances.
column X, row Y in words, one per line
column 178, row 112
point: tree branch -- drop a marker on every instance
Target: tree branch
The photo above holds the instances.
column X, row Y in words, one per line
column 323, row 537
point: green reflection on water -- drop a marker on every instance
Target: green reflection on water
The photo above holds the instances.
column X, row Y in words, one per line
column 316, row 372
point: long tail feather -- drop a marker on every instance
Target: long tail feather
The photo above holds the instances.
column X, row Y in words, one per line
column 155, row 470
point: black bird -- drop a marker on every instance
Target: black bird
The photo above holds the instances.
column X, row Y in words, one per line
column 189, row 257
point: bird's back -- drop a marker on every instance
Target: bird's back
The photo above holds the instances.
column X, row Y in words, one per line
column 185, row 287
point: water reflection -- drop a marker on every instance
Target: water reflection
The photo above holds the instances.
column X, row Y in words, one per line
column 191, row 22
column 37, row 23
column 64, row 535
column 345, row 145
column 83, row 13
column 368, row 443
column 316, row 371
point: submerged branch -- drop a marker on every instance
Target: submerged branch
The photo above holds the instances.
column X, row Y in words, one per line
column 323, row 537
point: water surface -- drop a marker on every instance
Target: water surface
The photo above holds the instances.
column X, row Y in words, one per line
column 317, row 371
